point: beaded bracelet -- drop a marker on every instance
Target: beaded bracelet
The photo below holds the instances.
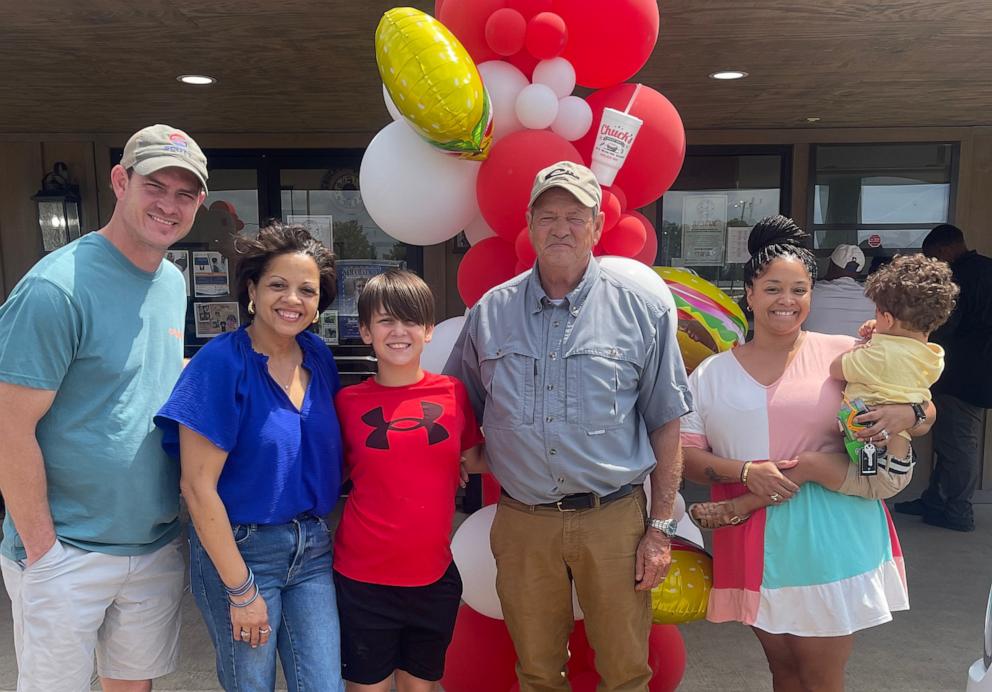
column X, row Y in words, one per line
column 744, row 470
column 247, row 603
column 244, row 588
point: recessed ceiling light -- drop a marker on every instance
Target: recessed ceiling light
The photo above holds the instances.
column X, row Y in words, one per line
column 813, row 119
column 728, row 74
column 196, row 79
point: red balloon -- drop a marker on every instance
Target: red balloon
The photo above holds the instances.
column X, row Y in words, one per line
column 581, row 655
column 666, row 656
column 656, row 157
column 521, row 267
column 437, row 7
column 466, row 19
column 586, row 681
column 608, row 42
column 505, row 30
column 525, row 251
column 488, row 263
column 611, row 208
column 626, row 239
column 649, row 253
column 507, row 176
column 546, row 36
column 619, row 194
column 481, row 657
column 528, row 8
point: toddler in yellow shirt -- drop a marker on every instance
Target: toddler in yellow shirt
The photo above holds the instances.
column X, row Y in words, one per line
column 913, row 296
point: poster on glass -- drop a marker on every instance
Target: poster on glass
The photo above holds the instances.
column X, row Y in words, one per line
column 329, row 327
column 352, row 277
column 215, row 318
column 209, row 275
column 704, row 230
column 180, row 258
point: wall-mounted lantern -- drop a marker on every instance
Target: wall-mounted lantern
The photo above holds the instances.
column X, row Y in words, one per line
column 58, row 208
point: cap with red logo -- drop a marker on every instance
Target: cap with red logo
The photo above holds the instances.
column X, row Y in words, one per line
column 161, row 146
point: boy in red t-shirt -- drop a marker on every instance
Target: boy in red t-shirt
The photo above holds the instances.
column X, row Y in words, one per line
column 405, row 433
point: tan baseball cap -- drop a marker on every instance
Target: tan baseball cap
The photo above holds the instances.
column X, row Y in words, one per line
column 570, row 176
column 161, row 146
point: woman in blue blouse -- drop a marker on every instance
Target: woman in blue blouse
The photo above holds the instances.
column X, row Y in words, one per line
column 252, row 420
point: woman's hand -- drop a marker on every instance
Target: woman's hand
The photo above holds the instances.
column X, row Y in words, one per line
column 884, row 421
column 765, row 479
column 253, row 619
column 866, row 330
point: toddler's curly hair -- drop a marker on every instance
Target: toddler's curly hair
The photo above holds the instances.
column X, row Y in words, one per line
column 919, row 291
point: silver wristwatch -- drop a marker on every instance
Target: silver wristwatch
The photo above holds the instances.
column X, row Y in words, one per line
column 666, row 526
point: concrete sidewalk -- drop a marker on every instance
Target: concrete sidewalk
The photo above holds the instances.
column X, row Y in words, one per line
column 927, row 649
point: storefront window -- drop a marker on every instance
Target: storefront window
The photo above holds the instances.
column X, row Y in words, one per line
column 708, row 213
column 883, row 197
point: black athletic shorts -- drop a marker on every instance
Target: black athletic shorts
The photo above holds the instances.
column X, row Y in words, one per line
column 385, row 628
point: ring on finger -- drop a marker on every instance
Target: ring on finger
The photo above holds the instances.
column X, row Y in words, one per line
column 884, row 434
column 775, row 497
column 264, row 630
column 245, row 634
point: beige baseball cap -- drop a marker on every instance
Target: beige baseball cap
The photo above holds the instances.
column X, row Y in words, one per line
column 570, row 176
column 844, row 254
column 161, row 146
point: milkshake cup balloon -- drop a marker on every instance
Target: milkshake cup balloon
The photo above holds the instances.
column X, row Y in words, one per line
column 617, row 131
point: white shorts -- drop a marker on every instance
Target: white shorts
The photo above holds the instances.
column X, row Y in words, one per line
column 72, row 603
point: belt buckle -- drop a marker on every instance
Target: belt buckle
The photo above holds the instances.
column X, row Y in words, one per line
column 563, row 509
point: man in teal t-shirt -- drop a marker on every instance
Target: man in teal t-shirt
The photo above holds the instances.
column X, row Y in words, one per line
column 91, row 343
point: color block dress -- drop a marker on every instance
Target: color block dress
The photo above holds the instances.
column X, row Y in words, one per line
column 821, row 564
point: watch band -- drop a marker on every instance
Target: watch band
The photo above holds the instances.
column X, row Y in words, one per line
column 666, row 526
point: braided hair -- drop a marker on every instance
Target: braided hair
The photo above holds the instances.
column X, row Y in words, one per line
column 774, row 237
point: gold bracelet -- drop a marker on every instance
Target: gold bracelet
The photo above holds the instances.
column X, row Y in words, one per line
column 744, row 470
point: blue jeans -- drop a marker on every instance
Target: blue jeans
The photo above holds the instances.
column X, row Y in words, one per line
column 292, row 566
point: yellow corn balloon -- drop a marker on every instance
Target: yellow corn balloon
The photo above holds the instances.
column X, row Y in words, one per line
column 433, row 82
column 685, row 593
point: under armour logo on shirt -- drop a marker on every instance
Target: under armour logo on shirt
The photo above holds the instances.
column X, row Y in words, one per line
column 379, row 437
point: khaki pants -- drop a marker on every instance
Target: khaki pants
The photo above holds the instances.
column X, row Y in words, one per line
column 539, row 553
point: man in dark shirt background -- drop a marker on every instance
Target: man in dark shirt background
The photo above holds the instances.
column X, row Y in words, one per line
column 964, row 390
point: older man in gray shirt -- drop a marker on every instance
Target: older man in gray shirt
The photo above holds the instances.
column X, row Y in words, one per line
column 579, row 383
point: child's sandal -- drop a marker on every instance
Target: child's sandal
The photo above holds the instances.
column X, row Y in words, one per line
column 715, row 515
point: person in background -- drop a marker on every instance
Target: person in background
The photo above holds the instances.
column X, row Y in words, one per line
column 581, row 385
column 91, row 341
column 405, row 432
column 839, row 304
column 253, row 424
column 964, row 391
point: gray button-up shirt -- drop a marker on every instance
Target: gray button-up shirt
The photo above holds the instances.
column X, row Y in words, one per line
column 568, row 393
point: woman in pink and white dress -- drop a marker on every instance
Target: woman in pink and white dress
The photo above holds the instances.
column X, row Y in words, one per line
column 815, row 566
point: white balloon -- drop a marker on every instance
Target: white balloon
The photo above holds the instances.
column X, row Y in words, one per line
column 438, row 349
column 394, row 112
column 414, row 192
column 478, row 230
column 574, row 118
column 537, row 106
column 556, row 73
column 474, row 558
column 639, row 275
column 504, row 82
column 690, row 532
